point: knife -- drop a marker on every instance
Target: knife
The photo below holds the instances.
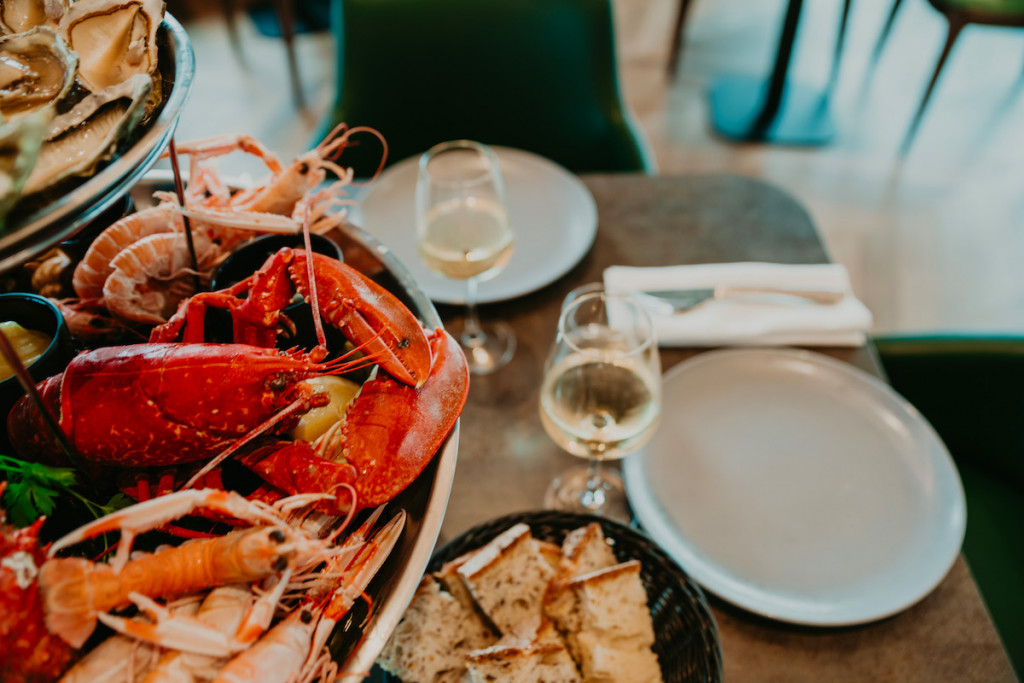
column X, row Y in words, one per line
column 682, row 300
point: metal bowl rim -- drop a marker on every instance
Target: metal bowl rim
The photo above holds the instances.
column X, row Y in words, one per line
column 95, row 194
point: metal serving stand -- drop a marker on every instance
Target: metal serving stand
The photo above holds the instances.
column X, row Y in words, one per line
column 62, row 217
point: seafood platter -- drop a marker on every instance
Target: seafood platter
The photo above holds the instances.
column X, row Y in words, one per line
column 90, row 95
column 244, row 463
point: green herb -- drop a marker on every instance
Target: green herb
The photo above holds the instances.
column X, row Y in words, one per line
column 33, row 489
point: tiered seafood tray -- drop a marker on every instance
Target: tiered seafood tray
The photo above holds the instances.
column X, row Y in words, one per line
column 357, row 504
column 64, row 205
column 363, row 629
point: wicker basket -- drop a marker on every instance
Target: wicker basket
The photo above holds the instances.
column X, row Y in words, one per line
column 687, row 638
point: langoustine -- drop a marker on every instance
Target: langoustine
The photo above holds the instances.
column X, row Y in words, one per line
column 233, row 627
column 141, row 277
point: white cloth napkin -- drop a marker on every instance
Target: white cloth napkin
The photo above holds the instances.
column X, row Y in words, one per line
column 754, row 321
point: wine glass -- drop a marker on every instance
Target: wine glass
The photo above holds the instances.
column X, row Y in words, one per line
column 464, row 233
column 600, row 397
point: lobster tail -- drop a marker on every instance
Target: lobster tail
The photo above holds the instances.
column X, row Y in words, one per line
column 63, row 584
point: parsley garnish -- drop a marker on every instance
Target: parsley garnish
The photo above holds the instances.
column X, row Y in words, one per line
column 33, row 489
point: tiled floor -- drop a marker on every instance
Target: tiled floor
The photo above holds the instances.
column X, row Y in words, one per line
column 935, row 241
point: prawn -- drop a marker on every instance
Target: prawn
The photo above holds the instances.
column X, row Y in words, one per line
column 120, row 659
column 292, row 649
column 279, row 203
column 95, row 267
column 152, row 276
column 75, row 591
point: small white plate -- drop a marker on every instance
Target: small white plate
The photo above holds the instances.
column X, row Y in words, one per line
column 798, row 487
column 551, row 211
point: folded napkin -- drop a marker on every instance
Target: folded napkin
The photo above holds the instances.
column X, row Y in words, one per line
column 750, row 320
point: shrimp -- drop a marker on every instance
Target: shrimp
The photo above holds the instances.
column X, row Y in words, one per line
column 292, row 649
column 75, row 591
column 120, row 659
column 151, row 277
column 279, row 203
column 224, row 609
column 95, row 267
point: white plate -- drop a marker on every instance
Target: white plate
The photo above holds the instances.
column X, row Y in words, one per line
column 798, row 487
column 550, row 209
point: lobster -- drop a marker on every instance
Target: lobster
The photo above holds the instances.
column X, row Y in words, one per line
column 28, row 651
column 178, row 399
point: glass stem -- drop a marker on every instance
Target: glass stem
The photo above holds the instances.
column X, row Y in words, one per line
column 593, row 497
column 472, row 332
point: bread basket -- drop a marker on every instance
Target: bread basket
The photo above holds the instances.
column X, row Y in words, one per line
column 687, row 637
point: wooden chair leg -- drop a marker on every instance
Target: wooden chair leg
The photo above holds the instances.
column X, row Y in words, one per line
column 840, row 40
column 287, row 22
column 677, row 38
column 230, row 11
column 886, row 29
column 956, row 24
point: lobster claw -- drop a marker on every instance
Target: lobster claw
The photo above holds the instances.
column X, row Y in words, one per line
column 370, row 316
column 366, row 313
column 391, row 433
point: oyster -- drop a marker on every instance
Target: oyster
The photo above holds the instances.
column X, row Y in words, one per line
column 36, row 70
column 21, row 15
column 20, row 142
column 114, row 39
column 76, row 150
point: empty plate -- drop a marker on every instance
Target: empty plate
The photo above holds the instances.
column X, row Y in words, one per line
column 798, row 487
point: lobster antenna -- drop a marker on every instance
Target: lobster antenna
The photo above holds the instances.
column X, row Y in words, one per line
column 267, row 425
column 29, row 385
column 321, row 338
column 179, row 189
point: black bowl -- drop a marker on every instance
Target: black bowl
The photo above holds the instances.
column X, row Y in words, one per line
column 248, row 258
column 79, row 243
column 34, row 312
column 686, row 635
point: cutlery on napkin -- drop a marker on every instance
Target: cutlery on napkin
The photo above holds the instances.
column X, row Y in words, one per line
column 739, row 310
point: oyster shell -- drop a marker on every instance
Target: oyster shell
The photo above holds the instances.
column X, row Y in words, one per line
column 21, row 15
column 76, row 150
column 92, row 102
column 114, row 39
column 20, row 142
column 36, row 70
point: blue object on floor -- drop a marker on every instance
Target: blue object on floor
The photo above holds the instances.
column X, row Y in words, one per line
column 802, row 117
column 311, row 16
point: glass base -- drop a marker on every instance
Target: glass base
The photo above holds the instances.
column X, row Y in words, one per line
column 569, row 492
column 490, row 351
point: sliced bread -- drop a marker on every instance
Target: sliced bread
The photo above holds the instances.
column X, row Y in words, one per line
column 607, row 625
column 550, row 551
column 584, row 550
column 431, row 641
column 602, row 664
column 542, row 663
column 507, row 579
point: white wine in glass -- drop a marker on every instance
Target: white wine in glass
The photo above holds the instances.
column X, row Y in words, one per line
column 599, row 408
column 600, row 397
column 463, row 233
column 464, row 238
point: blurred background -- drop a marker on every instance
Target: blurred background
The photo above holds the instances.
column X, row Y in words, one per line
column 933, row 240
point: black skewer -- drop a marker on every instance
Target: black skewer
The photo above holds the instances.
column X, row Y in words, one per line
column 179, row 189
column 29, row 385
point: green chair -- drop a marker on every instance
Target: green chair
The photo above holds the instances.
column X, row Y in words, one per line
column 971, row 389
column 538, row 75
column 958, row 14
